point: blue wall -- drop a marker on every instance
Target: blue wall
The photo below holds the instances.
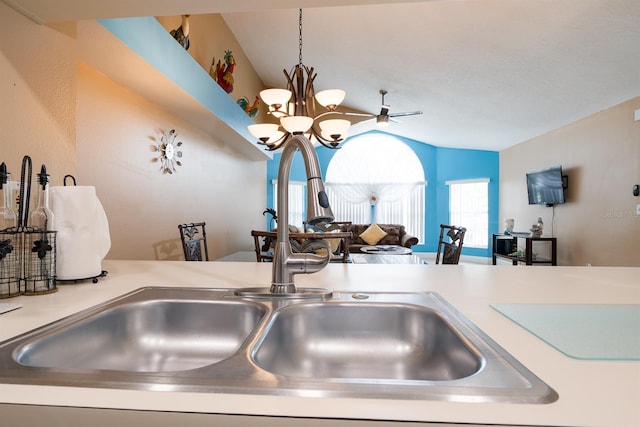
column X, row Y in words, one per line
column 440, row 165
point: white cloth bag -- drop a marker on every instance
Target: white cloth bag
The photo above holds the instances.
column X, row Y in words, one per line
column 83, row 238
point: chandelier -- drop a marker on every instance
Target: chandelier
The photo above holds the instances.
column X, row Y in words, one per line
column 295, row 108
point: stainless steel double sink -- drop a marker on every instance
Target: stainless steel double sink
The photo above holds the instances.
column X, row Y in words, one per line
column 373, row 345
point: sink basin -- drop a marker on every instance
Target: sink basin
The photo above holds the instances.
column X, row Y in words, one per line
column 153, row 336
column 365, row 341
column 358, row 345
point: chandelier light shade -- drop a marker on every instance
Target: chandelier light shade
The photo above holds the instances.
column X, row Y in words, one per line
column 275, row 98
column 334, row 128
column 263, row 131
column 296, row 124
column 330, row 98
column 295, row 108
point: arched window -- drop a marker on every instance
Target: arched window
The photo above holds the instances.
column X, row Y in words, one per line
column 377, row 178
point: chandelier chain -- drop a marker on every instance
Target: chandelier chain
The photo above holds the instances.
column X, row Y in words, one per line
column 300, row 38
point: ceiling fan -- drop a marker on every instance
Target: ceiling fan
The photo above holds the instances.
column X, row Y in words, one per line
column 385, row 117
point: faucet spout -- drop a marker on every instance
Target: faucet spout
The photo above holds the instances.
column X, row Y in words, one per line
column 286, row 264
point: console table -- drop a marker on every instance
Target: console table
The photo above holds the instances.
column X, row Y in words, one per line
column 506, row 247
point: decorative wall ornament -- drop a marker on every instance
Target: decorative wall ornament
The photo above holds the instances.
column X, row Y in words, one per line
column 536, row 229
column 251, row 109
column 509, row 223
column 274, row 216
column 223, row 74
column 169, row 153
column 181, row 34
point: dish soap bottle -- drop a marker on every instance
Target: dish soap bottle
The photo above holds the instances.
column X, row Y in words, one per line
column 8, row 217
column 42, row 216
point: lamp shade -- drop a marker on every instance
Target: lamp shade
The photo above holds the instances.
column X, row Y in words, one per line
column 275, row 97
column 275, row 138
column 263, row 131
column 330, row 98
column 296, row 124
column 334, row 129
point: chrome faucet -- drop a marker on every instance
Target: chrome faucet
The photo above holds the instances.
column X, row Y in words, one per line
column 286, row 263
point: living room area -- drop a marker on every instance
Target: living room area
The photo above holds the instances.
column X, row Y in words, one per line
column 98, row 123
column 597, row 225
column 365, row 186
column 586, row 148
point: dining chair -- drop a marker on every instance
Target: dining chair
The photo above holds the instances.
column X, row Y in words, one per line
column 262, row 242
column 194, row 241
column 450, row 244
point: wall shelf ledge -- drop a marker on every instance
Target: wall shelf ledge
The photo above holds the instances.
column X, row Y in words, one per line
column 141, row 55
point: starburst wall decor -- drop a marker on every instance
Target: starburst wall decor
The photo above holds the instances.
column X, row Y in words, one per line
column 169, row 154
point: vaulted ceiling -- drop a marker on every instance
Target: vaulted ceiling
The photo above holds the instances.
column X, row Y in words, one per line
column 487, row 74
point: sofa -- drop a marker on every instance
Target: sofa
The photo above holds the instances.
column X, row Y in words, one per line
column 395, row 235
column 301, row 241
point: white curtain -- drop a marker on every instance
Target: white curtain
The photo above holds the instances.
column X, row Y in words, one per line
column 469, row 208
column 377, row 178
column 371, row 201
column 297, row 197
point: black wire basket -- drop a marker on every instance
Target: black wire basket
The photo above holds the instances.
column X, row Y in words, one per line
column 27, row 254
column 27, row 262
column 39, row 261
column 10, row 263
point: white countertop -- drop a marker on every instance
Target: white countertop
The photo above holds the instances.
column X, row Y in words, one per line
column 592, row 393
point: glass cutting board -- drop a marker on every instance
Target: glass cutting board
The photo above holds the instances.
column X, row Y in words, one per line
column 5, row 307
column 582, row 331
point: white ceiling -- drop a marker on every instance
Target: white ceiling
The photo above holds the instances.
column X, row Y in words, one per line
column 487, row 74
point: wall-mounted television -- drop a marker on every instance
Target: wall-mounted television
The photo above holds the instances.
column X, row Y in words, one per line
column 546, row 187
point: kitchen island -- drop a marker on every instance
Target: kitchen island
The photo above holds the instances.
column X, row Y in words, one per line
column 591, row 392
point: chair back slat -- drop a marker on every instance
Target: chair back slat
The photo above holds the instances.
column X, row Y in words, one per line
column 194, row 241
column 450, row 244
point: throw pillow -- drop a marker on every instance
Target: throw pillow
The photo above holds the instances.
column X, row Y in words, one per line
column 373, row 234
column 392, row 237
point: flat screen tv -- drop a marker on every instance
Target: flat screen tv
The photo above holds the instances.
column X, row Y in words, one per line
column 546, row 187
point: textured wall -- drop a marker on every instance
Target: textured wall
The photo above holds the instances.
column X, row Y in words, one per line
column 116, row 132
column 57, row 109
column 37, row 93
column 601, row 156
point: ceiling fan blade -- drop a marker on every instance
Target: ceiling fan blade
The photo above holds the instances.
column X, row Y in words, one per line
column 359, row 114
column 409, row 113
